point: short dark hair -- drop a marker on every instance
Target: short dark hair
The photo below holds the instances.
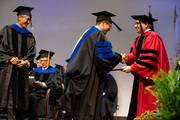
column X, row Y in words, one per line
column 97, row 23
column 150, row 25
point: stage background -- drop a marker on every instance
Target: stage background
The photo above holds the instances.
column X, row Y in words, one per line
column 58, row 24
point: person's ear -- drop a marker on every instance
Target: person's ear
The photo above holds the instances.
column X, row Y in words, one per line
column 146, row 24
column 19, row 18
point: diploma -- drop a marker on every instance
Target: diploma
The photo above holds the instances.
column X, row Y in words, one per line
column 117, row 69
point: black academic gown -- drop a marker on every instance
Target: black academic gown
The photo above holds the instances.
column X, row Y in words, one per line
column 21, row 45
column 37, row 101
column 108, row 104
column 84, row 76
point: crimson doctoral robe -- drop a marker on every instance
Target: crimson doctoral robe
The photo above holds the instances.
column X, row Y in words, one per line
column 147, row 57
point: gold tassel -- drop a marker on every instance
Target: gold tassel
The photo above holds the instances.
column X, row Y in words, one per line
column 149, row 9
column 48, row 58
column 31, row 25
column 175, row 15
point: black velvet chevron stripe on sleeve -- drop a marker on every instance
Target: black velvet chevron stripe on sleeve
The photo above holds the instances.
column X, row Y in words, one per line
column 149, row 58
column 147, row 65
column 150, row 51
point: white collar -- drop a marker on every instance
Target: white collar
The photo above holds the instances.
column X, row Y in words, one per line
column 148, row 30
column 44, row 68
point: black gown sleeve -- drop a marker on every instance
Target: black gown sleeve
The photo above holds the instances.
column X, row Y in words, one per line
column 105, row 65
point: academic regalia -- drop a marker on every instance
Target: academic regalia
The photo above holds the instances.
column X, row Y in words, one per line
column 147, row 57
column 108, row 104
column 60, row 68
column 15, row 42
column 52, row 80
column 85, row 74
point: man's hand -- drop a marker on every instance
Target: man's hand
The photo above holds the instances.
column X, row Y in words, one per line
column 124, row 59
column 14, row 60
column 37, row 84
column 127, row 69
column 21, row 63
column 62, row 86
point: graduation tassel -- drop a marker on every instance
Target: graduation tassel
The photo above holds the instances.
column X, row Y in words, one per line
column 117, row 26
column 175, row 16
column 150, row 15
column 31, row 25
column 48, row 58
column 149, row 9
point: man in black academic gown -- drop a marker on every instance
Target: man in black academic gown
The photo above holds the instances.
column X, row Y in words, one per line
column 91, row 59
column 46, row 77
column 17, row 52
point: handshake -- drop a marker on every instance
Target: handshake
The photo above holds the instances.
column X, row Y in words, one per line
column 19, row 63
column 124, row 59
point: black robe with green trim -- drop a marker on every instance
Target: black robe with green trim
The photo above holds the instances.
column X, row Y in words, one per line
column 84, row 76
column 15, row 44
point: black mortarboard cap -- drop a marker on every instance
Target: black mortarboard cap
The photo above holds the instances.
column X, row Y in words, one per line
column 144, row 18
column 44, row 53
column 38, row 57
column 23, row 10
column 104, row 15
column 67, row 60
column 58, row 66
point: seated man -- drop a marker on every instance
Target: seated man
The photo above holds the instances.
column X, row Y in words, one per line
column 46, row 77
column 108, row 104
column 60, row 68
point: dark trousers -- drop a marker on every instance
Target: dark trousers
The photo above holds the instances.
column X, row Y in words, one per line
column 13, row 113
column 16, row 114
column 37, row 106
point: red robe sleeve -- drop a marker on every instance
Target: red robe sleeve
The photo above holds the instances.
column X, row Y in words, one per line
column 152, row 58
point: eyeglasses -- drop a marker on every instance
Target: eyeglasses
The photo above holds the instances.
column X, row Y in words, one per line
column 137, row 23
column 27, row 19
column 43, row 60
column 108, row 24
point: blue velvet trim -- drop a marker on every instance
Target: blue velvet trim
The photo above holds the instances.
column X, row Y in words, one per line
column 50, row 70
column 101, row 102
column 105, row 43
column 105, row 56
column 91, row 30
column 102, row 50
column 107, row 75
column 64, row 78
column 21, row 30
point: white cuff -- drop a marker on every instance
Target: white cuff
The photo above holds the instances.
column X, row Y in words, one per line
column 44, row 85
